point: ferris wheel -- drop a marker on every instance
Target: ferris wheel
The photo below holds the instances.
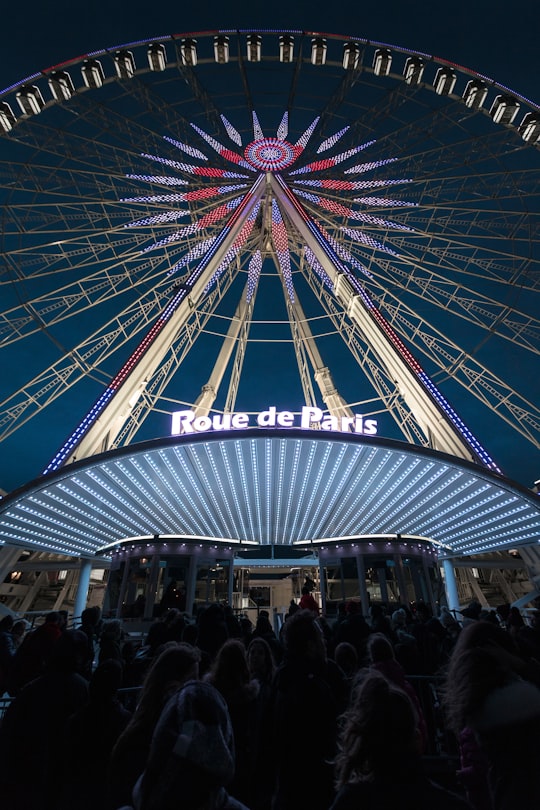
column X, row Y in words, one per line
column 230, row 220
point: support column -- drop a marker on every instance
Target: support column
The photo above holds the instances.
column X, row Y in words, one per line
column 70, row 577
column 8, row 560
column 400, row 577
column 123, row 587
column 322, row 588
column 32, row 592
column 452, row 596
column 428, row 586
column 191, row 583
column 420, row 589
column 82, row 591
column 381, row 576
column 151, row 588
column 230, row 583
column 364, row 597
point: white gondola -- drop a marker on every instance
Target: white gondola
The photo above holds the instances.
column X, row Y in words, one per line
column 351, row 55
column 504, row 109
column 30, row 100
column 475, row 93
column 61, row 85
column 124, row 63
column 92, row 73
column 188, row 50
column 318, row 51
column 286, row 48
column 7, row 119
column 253, row 44
column 382, row 61
column 529, row 129
column 157, row 57
column 221, row 49
column 413, row 70
column 445, row 81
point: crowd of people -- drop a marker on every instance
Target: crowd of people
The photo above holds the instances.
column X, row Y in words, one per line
column 218, row 713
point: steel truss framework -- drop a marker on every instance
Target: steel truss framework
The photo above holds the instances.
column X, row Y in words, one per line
column 267, row 197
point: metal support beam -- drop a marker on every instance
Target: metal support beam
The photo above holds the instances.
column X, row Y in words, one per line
column 102, row 431
column 442, row 434
column 82, row 591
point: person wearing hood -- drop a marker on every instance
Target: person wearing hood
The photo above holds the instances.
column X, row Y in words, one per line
column 192, row 758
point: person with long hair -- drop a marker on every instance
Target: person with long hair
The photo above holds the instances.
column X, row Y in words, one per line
column 492, row 704
column 174, row 666
column 378, row 763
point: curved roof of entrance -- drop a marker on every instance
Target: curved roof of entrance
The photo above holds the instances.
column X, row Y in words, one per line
column 269, row 486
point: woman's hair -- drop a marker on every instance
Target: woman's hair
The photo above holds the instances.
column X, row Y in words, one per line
column 485, row 658
column 230, row 670
column 379, row 725
column 269, row 663
column 379, row 648
column 170, row 670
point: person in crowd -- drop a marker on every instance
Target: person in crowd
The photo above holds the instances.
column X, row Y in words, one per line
column 382, row 659
column 308, row 601
column 231, row 677
column 492, row 704
column 192, row 758
column 7, row 651
column 176, row 664
column 346, row 658
column 31, row 733
column 91, row 626
column 380, row 623
column 31, row 656
column 212, row 631
column 88, row 740
column 378, row 764
column 308, row 694
column 263, row 629
column 110, row 641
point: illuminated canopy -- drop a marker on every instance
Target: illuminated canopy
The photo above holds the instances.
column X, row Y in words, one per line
column 269, row 486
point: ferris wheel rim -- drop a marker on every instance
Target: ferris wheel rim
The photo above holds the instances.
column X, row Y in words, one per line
column 109, row 53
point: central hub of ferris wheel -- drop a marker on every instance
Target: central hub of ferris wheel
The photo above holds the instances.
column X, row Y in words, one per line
column 270, row 154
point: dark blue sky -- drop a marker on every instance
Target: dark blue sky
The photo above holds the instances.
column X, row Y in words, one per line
column 498, row 39
column 494, row 37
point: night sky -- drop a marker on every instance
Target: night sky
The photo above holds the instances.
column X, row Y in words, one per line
column 494, row 37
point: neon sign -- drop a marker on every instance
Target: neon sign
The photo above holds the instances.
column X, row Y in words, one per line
column 308, row 419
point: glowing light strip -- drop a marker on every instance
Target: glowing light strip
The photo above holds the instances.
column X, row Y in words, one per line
column 346, row 212
column 254, row 272
column 189, row 150
column 281, row 242
column 158, row 219
column 385, row 201
column 327, row 163
column 240, row 240
column 201, row 171
column 196, row 252
column 154, row 198
column 233, row 133
column 303, row 139
column 315, row 265
column 332, row 140
column 366, row 239
column 283, row 129
column 344, row 254
column 150, row 337
column 368, row 167
column 257, row 131
column 408, row 357
column 162, row 180
column 210, row 218
column 228, row 154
